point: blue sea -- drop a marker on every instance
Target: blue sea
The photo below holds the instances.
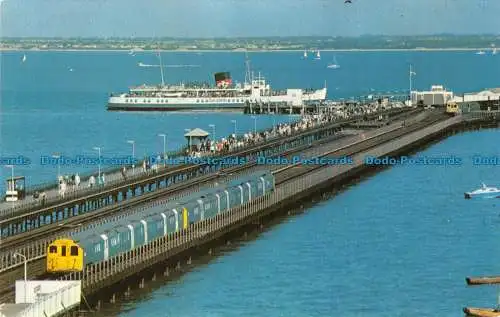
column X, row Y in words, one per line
column 397, row 244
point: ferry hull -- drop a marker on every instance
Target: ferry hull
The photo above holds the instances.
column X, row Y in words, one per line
column 179, row 107
column 128, row 103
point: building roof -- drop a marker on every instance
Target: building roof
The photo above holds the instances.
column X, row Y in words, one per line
column 197, row 133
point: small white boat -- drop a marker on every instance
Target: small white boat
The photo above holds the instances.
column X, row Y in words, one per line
column 305, row 54
column 480, row 53
column 318, row 55
column 494, row 52
column 24, row 58
column 333, row 64
column 484, row 192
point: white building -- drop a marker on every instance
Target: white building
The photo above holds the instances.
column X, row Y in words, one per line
column 437, row 96
column 485, row 95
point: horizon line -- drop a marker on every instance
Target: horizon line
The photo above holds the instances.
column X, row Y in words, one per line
column 246, row 37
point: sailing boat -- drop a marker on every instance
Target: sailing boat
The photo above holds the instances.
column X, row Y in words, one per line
column 318, row 56
column 305, row 54
column 333, row 64
column 24, row 58
column 494, row 51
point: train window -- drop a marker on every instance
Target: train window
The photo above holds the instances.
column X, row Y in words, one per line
column 73, row 250
column 53, row 249
column 63, row 250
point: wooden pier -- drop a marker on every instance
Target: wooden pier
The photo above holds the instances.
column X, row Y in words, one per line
column 97, row 277
column 136, row 265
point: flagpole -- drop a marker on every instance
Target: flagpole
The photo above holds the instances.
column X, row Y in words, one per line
column 411, row 74
column 161, row 69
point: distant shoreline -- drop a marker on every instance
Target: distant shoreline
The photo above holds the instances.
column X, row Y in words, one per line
column 250, row 51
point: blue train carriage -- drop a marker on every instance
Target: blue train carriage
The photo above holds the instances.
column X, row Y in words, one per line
column 251, row 186
column 164, row 221
column 95, row 242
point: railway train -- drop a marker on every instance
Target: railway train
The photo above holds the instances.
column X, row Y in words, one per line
column 452, row 107
column 107, row 240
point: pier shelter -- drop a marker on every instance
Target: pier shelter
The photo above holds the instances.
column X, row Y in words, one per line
column 196, row 137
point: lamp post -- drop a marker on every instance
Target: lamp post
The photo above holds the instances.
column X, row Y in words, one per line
column 99, row 165
column 254, row 124
column 58, row 156
column 164, row 148
column 133, row 155
column 234, row 122
column 213, row 129
column 25, row 272
column 213, row 135
column 13, row 184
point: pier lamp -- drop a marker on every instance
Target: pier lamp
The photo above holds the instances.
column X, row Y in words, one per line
column 13, row 186
column 234, row 122
column 190, row 145
column 254, row 124
column 99, row 165
column 15, row 255
column 164, row 136
column 213, row 134
column 57, row 156
column 133, row 155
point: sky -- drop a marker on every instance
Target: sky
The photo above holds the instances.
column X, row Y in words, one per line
column 245, row 18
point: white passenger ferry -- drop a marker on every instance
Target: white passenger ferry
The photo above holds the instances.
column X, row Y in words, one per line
column 223, row 96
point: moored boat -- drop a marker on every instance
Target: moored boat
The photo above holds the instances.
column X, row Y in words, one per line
column 481, row 312
column 484, row 192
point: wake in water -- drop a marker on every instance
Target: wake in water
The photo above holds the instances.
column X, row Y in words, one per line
column 168, row 66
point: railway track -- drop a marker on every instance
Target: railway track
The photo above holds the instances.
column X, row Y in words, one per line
column 35, row 250
column 295, row 170
column 22, row 220
column 43, row 236
column 124, row 184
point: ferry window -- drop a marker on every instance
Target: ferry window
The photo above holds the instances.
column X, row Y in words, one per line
column 63, row 250
column 73, row 250
column 53, row 249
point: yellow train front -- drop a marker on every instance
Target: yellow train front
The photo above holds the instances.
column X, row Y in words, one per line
column 64, row 255
column 452, row 108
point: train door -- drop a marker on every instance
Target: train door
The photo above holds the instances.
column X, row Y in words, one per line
column 249, row 191
column 164, row 223
column 218, row 203
column 227, row 200
column 263, row 185
column 145, row 224
column 132, row 240
column 106, row 246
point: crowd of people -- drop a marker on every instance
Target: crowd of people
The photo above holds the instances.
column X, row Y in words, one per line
column 233, row 142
